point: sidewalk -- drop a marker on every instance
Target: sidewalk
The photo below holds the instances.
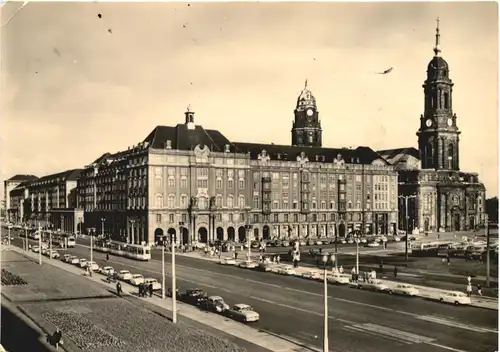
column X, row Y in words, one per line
column 425, row 291
column 218, row 322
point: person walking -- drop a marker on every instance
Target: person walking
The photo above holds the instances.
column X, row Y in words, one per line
column 381, row 266
column 119, row 289
column 150, row 287
column 278, row 258
column 395, row 271
column 479, row 290
column 341, row 269
column 107, row 257
column 469, row 290
column 57, row 338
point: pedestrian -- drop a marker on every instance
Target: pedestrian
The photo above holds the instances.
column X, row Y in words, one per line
column 469, row 279
column 57, row 338
column 381, row 266
column 341, row 270
column 278, row 258
column 206, row 250
column 235, row 255
column 447, row 259
column 107, row 257
column 260, row 258
column 140, row 289
column 395, row 272
column 150, row 290
column 469, row 290
column 479, row 290
column 119, row 289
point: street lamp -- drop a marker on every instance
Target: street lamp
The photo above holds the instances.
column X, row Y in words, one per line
column 325, row 260
column 248, row 227
column 39, row 244
column 102, row 227
column 487, row 232
column 91, row 231
column 357, row 240
column 412, row 196
column 62, row 222
column 163, row 267
column 132, row 238
column 174, row 284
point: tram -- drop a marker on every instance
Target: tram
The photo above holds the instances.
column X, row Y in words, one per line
column 121, row 249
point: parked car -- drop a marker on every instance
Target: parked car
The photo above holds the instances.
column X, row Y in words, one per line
column 66, row 257
column 124, row 275
column 192, row 296
column 455, row 297
column 285, row 244
column 35, row 249
column 55, row 255
column 83, row 263
column 248, row 265
column 227, row 261
column 373, row 244
column 74, row 260
column 312, row 275
column 93, row 266
column 286, row 270
column 405, row 289
column 107, row 270
column 374, row 285
column 214, row 304
column 136, row 279
column 156, row 285
column 243, row 313
column 338, row 279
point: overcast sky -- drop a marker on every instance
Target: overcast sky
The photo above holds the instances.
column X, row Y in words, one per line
column 76, row 85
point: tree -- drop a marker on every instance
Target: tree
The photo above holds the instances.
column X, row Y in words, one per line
column 492, row 209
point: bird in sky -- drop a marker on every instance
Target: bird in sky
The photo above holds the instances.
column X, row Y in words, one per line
column 389, row 70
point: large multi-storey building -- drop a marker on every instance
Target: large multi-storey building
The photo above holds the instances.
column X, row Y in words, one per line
column 443, row 198
column 49, row 200
column 9, row 185
column 195, row 182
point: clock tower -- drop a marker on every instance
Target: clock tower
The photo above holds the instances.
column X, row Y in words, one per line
column 306, row 129
column 438, row 135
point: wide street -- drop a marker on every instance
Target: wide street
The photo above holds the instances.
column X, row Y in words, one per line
column 358, row 320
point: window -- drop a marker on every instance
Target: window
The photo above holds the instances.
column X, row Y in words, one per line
column 295, row 217
column 203, row 171
column 286, row 217
column 241, row 201
column 171, row 201
column 218, row 201
column 230, row 201
column 358, row 178
column 241, row 173
column 276, row 219
column 256, row 202
column 158, row 218
column 184, row 201
column 230, row 217
column 285, row 204
column 202, row 183
column 349, row 205
column 242, row 216
column 218, row 183
column 241, row 184
column 158, row 181
column 295, row 204
column 230, row 184
column 314, row 217
column 171, row 217
column 184, row 182
column 313, row 205
column 219, row 217
column 275, row 204
column 323, row 205
column 171, row 182
column 255, row 218
column 171, row 171
column 202, row 203
column 218, row 173
column 159, row 201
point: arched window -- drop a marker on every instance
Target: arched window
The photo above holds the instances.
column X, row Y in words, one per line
column 171, row 201
column 230, row 202
column 275, row 204
column 428, row 156
column 332, row 204
column 314, row 205
column 218, row 201
column 323, row 205
column 446, row 98
column 184, row 201
column 450, row 155
column 241, row 202
column 159, row 201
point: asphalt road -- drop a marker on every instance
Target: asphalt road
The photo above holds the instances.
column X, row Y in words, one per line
column 357, row 319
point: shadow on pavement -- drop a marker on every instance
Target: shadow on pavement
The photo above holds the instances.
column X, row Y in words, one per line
column 17, row 336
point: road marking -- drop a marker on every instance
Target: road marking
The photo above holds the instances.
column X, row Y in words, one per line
column 394, row 333
column 455, row 324
column 444, row 347
column 358, row 330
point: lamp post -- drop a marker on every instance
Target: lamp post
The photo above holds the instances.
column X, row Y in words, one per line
column 91, row 231
column 50, row 244
column 248, row 227
column 39, row 244
column 132, row 238
column 8, row 234
column 102, row 227
column 412, row 196
column 62, row 223
column 487, row 232
column 174, row 284
column 26, row 235
column 163, row 267
column 325, row 260
column 357, row 239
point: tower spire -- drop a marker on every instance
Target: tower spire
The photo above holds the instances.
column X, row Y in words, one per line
column 437, row 47
column 305, row 84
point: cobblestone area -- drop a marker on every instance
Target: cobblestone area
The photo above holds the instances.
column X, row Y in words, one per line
column 94, row 320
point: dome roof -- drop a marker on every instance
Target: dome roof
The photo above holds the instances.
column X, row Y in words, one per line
column 306, row 99
column 437, row 63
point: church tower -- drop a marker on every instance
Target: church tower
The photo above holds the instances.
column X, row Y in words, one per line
column 306, row 129
column 438, row 135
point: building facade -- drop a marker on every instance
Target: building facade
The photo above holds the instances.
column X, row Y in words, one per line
column 10, row 211
column 48, row 201
column 197, row 184
column 446, row 199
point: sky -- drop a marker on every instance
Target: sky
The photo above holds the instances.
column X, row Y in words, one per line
column 76, row 85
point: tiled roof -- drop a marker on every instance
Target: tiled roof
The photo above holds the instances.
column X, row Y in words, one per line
column 68, row 175
column 395, row 155
column 359, row 155
column 183, row 138
column 23, row 178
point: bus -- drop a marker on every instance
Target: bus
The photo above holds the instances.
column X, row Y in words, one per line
column 121, row 249
column 61, row 239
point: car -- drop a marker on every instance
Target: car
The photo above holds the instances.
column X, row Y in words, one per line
column 338, row 279
column 35, row 249
column 107, row 270
column 374, row 285
column 243, row 312
column 156, row 285
column 214, row 304
column 83, row 263
column 405, row 289
column 124, row 275
column 312, row 275
column 302, row 243
column 318, row 242
column 227, row 261
column 93, row 266
column 136, row 279
column 373, row 244
column 397, row 238
column 364, row 240
column 343, row 241
column 193, row 296
column 248, row 264
column 55, row 255
column 286, row 270
column 350, row 241
column 66, row 257
column 74, row 260
column 285, row 244
column 455, row 297
column 264, row 267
